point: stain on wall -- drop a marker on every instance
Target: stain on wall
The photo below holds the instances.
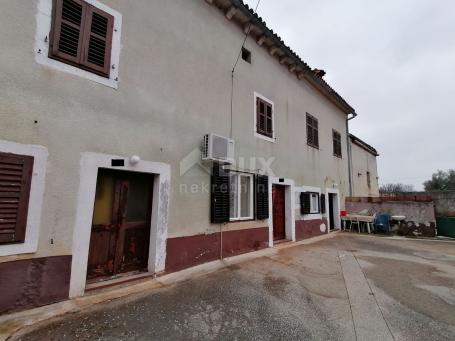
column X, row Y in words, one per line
column 184, row 252
column 305, row 229
column 34, row 282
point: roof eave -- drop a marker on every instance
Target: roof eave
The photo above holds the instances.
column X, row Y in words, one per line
column 299, row 67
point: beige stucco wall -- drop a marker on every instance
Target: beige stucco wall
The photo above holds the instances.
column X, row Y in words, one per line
column 363, row 162
column 174, row 87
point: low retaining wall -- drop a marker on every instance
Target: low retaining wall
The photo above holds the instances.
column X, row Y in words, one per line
column 420, row 214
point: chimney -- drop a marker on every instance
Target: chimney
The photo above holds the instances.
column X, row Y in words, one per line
column 319, row 73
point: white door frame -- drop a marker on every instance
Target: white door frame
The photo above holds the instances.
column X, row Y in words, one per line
column 336, row 208
column 289, row 207
column 89, row 165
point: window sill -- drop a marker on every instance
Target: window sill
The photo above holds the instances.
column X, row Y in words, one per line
column 338, row 156
column 266, row 138
column 240, row 220
column 313, row 146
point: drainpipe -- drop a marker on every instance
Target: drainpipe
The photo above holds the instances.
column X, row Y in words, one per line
column 348, row 140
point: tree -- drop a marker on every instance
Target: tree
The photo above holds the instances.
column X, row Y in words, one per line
column 389, row 189
column 441, row 181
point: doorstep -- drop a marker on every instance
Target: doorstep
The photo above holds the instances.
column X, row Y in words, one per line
column 16, row 324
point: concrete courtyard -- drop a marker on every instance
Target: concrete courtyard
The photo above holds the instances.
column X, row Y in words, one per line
column 349, row 287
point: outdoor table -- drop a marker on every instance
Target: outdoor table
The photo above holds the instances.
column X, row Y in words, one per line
column 359, row 219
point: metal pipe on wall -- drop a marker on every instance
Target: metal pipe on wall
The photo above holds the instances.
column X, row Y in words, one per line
column 348, row 144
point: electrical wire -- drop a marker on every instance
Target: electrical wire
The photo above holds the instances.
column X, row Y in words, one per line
column 232, row 104
column 235, row 66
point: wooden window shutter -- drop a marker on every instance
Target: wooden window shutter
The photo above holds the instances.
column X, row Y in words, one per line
column 262, row 197
column 261, row 117
column 97, row 40
column 322, row 205
column 67, row 29
column 15, row 180
column 81, row 35
column 220, row 196
column 305, row 203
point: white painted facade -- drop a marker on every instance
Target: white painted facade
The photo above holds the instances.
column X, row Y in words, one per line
column 364, row 166
column 170, row 85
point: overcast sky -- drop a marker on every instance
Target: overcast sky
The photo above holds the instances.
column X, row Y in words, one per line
column 394, row 62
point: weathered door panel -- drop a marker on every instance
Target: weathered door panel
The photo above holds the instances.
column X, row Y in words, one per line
column 121, row 224
column 279, row 218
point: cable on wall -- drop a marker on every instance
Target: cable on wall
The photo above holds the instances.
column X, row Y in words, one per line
column 235, row 66
column 232, row 103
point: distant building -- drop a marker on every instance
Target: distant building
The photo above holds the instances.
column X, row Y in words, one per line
column 364, row 168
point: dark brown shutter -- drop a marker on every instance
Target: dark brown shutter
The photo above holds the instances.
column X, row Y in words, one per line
column 220, row 196
column 262, row 197
column 15, row 180
column 264, row 118
column 269, row 117
column 81, row 35
column 312, row 131
column 97, row 40
column 67, row 29
column 322, row 206
column 305, row 203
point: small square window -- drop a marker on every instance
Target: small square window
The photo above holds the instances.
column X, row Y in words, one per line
column 246, row 55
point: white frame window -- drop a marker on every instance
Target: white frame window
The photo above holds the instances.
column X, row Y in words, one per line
column 314, row 200
column 273, row 138
column 237, row 181
column 41, row 47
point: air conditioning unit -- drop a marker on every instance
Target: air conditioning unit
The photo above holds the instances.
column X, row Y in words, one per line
column 218, row 148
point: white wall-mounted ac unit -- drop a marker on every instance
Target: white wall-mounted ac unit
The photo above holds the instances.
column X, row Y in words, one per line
column 218, row 148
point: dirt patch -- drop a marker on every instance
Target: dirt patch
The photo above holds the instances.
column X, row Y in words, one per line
column 275, row 285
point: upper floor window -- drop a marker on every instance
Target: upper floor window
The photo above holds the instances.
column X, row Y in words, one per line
column 336, row 143
column 264, row 118
column 312, row 131
column 81, row 35
column 15, row 182
column 246, row 55
column 241, row 196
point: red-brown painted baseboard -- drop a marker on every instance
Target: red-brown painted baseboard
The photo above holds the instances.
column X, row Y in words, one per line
column 34, row 282
column 305, row 229
column 185, row 252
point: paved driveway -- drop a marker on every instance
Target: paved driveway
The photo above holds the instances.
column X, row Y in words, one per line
column 345, row 288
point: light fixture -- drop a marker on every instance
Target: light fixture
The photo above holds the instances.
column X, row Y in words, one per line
column 134, row 160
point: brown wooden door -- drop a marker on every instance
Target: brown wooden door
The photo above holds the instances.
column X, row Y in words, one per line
column 121, row 224
column 279, row 218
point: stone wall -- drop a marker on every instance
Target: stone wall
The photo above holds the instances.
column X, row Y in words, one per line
column 444, row 203
column 419, row 212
